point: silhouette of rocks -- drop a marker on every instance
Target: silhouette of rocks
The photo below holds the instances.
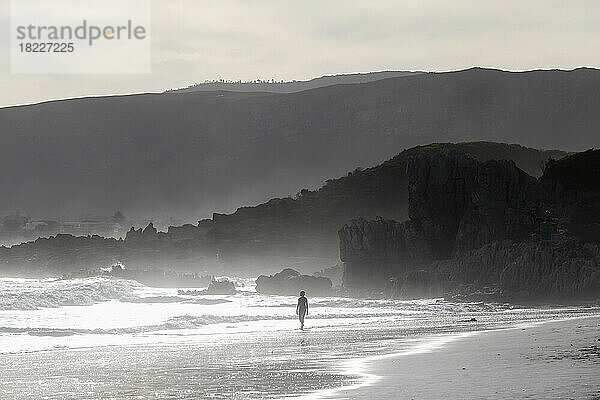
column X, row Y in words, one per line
column 289, row 282
column 266, row 235
column 473, row 235
column 223, row 286
column 215, row 287
column 460, row 204
column 149, row 233
column 133, row 234
column 529, row 270
column 384, row 245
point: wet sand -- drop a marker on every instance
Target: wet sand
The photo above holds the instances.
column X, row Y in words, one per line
column 552, row 360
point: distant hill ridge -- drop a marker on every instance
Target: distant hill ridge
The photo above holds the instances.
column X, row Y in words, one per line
column 292, row 86
column 189, row 154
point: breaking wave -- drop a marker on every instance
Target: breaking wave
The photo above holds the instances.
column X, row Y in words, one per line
column 206, row 302
column 174, row 323
column 156, row 299
column 34, row 294
column 29, row 294
column 177, row 299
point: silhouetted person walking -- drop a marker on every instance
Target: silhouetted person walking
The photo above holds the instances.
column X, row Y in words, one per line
column 302, row 308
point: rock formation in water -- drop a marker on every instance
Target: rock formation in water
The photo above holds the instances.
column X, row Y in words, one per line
column 475, row 230
column 289, row 283
column 222, row 286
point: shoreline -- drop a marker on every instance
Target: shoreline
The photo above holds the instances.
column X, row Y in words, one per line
column 406, row 374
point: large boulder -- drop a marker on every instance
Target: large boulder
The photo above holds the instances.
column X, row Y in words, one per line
column 289, row 282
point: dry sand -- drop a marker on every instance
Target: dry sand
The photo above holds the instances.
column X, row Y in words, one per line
column 552, row 360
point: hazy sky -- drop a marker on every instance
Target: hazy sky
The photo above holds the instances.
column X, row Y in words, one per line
column 194, row 40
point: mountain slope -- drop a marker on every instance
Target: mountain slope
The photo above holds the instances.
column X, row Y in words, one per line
column 188, row 154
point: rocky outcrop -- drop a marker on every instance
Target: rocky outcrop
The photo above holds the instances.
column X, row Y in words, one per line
column 420, row 283
column 268, row 235
column 373, row 240
column 472, row 234
column 223, row 286
column 289, row 283
column 460, row 204
column 215, row 287
column 133, row 234
column 574, row 184
column 388, row 247
column 149, row 233
column 563, row 270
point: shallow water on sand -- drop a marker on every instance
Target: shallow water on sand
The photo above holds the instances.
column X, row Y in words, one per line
column 111, row 338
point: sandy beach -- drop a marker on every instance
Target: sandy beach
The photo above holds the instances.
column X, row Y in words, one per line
column 551, row 360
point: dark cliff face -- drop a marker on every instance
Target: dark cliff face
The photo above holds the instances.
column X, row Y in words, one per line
column 438, row 192
column 563, row 270
column 379, row 243
column 504, row 202
column 372, row 240
column 574, row 184
column 479, row 223
column 460, row 203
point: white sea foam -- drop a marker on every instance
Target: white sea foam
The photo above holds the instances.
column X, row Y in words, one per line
column 174, row 323
column 48, row 314
column 31, row 294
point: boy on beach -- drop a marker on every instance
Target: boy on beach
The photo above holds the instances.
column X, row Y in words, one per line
column 302, row 308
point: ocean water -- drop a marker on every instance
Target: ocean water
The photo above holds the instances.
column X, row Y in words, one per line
column 117, row 339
